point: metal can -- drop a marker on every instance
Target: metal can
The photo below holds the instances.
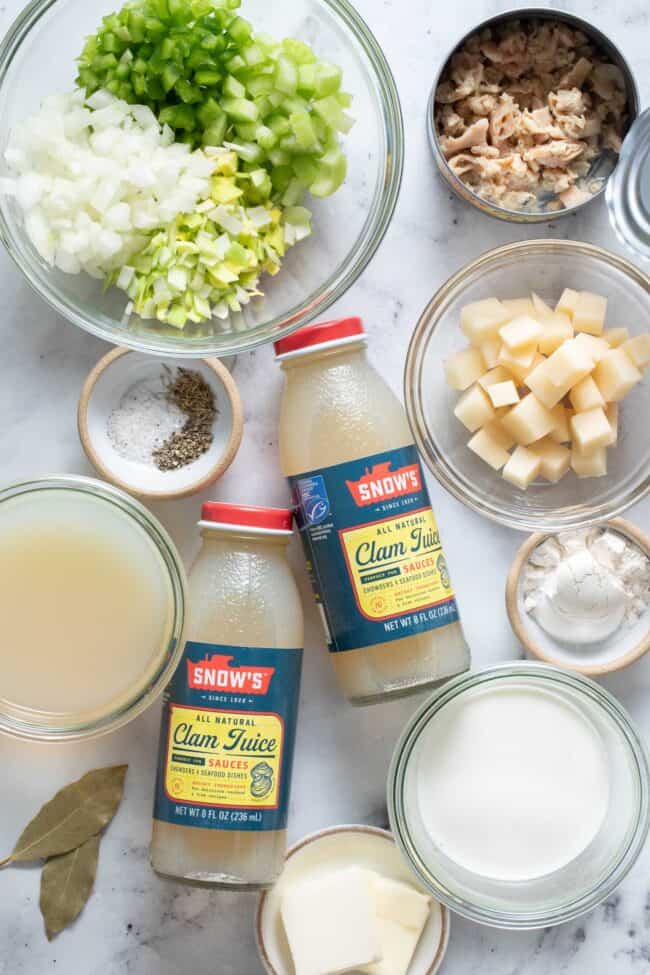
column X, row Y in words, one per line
column 600, row 40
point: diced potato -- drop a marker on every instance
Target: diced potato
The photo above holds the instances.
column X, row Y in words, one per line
column 528, row 421
column 522, row 467
column 615, row 375
column 519, row 306
column 503, row 394
column 521, row 333
column 516, row 361
column 561, row 431
column 595, row 347
column 638, row 350
column 521, row 373
column 589, row 313
column 490, row 351
column 498, row 432
column 474, row 409
column 542, row 310
column 568, row 301
column 590, row 429
column 555, row 459
column 585, row 395
column 496, row 375
column 568, row 365
column 481, row 320
column 540, row 383
column 556, row 329
column 615, row 336
column 464, row 368
column 488, row 448
column 589, row 464
column 611, row 412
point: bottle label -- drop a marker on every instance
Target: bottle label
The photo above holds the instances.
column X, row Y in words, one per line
column 227, row 738
column 369, row 523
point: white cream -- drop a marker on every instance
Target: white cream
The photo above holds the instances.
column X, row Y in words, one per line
column 582, row 587
column 512, row 783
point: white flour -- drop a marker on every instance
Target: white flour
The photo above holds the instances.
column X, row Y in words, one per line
column 582, row 586
column 143, row 421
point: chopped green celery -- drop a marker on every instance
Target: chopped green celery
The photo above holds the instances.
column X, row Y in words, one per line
column 239, row 29
column 344, row 98
column 247, row 131
column 253, row 55
column 306, row 169
column 233, row 88
column 279, row 157
column 259, row 85
column 331, row 112
column 303, row 129
column 248, row 151
column 179, row 117
column 307, row 79
column 240, row 109
column 188, row 93
column 279, row 124
column 171, row 74
column 265, row 136
column 298, row 51
column 281, row 177
column 111, row 44
column 332, row 172
column 209, row 112
column 207, row 77
column 235, row 64
column 214, row 134
column 286, row 76
column 328, row 78
column 293, row 193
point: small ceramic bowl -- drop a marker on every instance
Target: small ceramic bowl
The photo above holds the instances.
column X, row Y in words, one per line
column 593, row 660
column 345, row 846
column 115, row 375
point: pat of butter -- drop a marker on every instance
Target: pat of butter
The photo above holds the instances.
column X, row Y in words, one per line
column 331, row 923
column 402, row 913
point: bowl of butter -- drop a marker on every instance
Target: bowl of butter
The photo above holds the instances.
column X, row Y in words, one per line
column 346, row 901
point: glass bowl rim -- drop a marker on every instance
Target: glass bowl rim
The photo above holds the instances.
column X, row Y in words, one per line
column 501, row 672
column 583, row 515
column 174, row 568
column 348, row 269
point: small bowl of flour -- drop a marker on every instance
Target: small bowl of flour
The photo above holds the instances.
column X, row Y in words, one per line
column 159, row 428
column 581, row 599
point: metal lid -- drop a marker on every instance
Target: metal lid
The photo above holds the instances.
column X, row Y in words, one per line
column 628, row 190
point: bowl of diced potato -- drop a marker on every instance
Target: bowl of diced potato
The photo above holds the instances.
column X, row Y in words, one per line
column 525, row 385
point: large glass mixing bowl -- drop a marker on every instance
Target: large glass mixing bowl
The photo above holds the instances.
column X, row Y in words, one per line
column 37, row 58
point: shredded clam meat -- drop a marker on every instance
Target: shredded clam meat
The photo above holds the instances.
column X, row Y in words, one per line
column 523, row 110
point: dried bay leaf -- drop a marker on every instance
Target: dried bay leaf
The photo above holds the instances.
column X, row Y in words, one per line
column 77, row 812
column 66, row 884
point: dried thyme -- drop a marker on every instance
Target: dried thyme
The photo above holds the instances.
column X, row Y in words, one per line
column 191, row 394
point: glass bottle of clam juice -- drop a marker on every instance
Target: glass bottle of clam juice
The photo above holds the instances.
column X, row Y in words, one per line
column 230, row 712
column 370, row 537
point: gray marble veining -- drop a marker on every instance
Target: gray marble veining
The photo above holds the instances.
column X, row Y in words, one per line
column 136, row 924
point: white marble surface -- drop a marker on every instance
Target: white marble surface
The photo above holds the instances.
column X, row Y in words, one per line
column 135, row 923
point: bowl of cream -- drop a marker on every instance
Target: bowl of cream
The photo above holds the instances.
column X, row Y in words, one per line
column 580, row 599
column 519, row 795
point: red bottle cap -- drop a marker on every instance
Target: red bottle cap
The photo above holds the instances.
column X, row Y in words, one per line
column 318, row 334
column 248, row 516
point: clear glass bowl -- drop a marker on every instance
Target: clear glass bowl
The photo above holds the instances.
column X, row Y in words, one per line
column 23, row 722
column 37, row 57
column 544, row 266
column 585, row 881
